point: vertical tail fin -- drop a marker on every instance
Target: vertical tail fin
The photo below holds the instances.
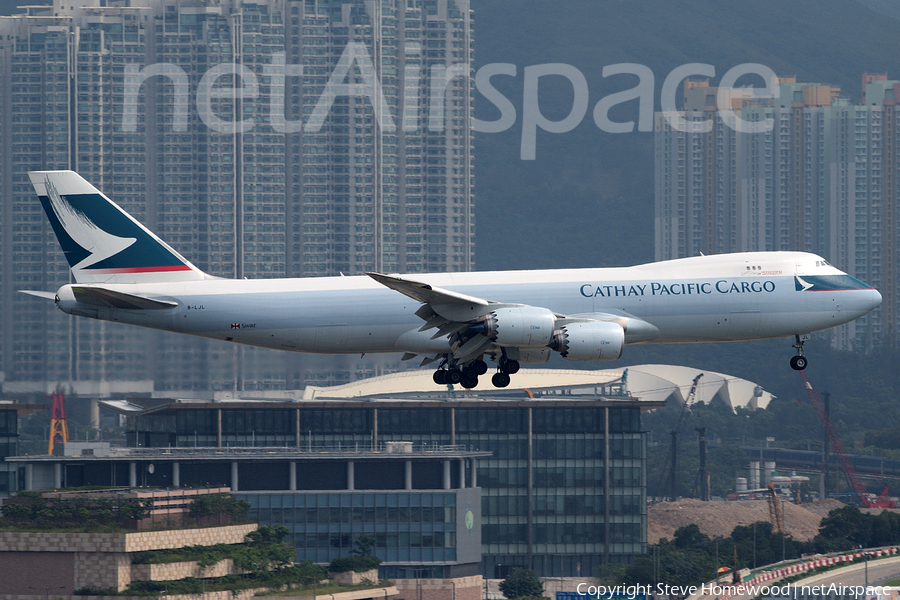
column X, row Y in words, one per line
column 102, row 243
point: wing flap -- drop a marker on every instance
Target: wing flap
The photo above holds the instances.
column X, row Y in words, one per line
column 115, row 299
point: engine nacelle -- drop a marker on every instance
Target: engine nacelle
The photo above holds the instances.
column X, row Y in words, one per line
column 533, row 356
column 524, row 326
column 597, row 340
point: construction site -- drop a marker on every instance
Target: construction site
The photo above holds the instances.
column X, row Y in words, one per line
column 782, row 498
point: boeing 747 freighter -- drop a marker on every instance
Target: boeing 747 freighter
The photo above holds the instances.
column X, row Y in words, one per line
column 124, row 273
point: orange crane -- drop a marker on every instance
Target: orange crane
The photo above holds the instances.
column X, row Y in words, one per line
column 865, row 499
column 59, row 430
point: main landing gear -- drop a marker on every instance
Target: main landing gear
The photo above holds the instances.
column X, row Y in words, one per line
column 467, row 376
column 799, row 362
column 505, row 368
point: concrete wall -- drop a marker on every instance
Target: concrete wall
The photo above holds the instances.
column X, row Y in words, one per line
column 466, row 588
column 352, row 577
column 123, row 542
column 39, row 574
column 180, row 570
column 102, row 570
column 69, row 561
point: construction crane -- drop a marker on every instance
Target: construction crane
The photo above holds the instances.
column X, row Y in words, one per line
column 673, row 451
column 865, row 499
column 775, row 514
column 693, row 392
column 59, row 430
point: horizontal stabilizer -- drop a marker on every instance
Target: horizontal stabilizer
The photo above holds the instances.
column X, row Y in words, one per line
column 39, row 294
column 113, row 299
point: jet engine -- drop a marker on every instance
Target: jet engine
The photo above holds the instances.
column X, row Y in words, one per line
column 596, row 340
column 525, row 326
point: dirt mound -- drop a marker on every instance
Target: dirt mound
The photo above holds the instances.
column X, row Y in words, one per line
column 823, row 507
column 718, row 519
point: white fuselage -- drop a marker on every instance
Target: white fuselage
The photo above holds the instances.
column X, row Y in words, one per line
column 702, row 299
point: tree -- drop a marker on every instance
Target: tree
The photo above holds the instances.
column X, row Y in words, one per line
column 219, row 506
column 365, row 545
column 690, row 536
column 520, row 583
column 847, row 522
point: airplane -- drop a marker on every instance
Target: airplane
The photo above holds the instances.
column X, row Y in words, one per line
column 124, row 273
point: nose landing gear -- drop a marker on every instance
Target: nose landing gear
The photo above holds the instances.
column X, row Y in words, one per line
column 799, row 362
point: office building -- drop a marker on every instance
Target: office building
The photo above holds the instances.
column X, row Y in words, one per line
column 420, row 504
column 822, row 180
column 10, row 412
column 556, row 491
column 194, row 116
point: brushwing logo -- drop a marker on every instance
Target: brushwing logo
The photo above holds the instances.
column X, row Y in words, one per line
column 99, row 244
column 801, row 284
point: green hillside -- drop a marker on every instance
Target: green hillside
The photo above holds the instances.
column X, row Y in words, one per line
column 588, row 198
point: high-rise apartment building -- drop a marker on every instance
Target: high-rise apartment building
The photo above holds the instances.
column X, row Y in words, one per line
column 260, row 138
column 822, row 179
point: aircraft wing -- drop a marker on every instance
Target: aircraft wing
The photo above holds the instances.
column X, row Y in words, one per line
column 426, row 293
column 39, row 294
column 465, row 320
column 443, row 306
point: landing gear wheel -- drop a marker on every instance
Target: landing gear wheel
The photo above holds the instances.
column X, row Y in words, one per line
column 511, row 367
column 470, row 382
column 454, row 376
column 479, row 366
column 469, row 373
column 440, row 377
column 500, row 380
column 799, row 362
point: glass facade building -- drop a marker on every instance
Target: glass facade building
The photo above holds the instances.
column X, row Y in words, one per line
column 9, row 441
column 565, row 483
column 420, row 504
column 417, row 533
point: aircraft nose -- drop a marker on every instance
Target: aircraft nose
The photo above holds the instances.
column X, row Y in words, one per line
column 873, row 299
column 864, row 300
